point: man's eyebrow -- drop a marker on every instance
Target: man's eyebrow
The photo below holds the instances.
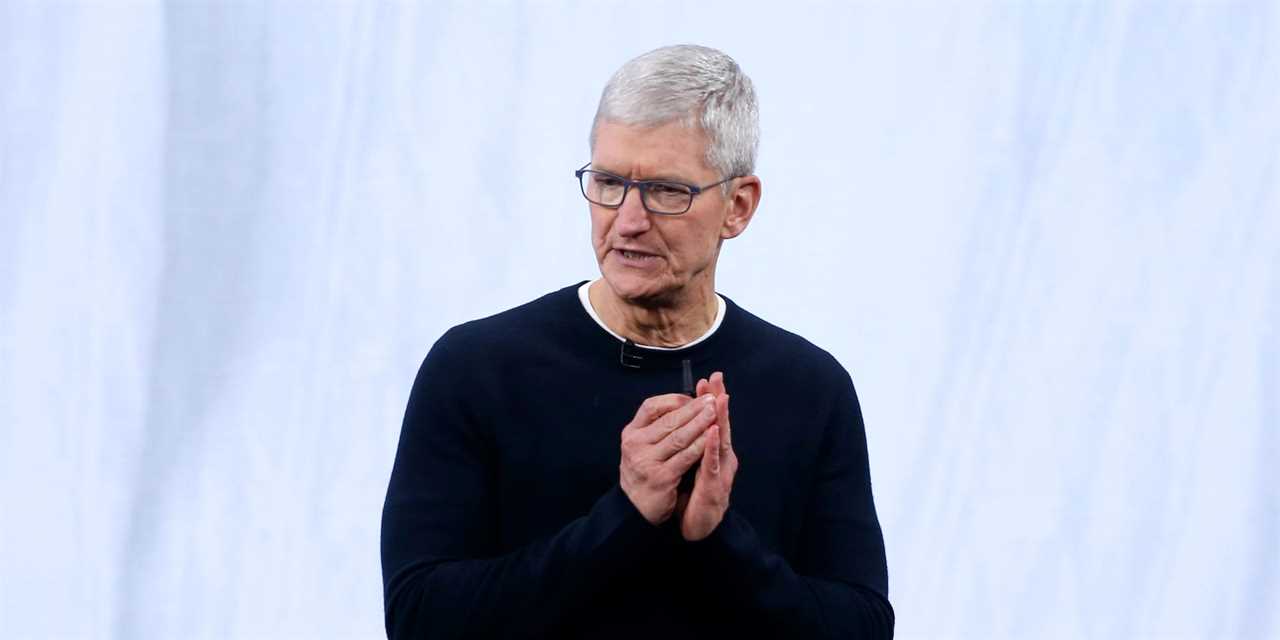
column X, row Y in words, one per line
column 656, row 178
column 602, row 169
column 664, row 178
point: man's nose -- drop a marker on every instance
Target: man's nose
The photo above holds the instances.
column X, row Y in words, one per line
column 632, row 219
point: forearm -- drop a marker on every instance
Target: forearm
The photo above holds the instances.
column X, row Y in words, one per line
column 524, row 593
column 763, row 590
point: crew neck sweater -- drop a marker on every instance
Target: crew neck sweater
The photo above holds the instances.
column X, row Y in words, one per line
column 504, row 516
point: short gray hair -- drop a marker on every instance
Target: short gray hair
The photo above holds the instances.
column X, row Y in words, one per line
column 695, row 86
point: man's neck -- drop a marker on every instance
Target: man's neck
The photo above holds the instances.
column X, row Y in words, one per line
column 670, row 326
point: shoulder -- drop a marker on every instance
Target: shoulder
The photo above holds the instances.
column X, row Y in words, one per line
column 531, row 317
column 525, row 324
column 770, row 346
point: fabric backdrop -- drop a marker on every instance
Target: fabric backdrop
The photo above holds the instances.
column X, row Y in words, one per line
column 1043, row 237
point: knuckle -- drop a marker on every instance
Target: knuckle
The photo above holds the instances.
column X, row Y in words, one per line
column 672, row 421
column 646, row 408
column 653, row 407
column 684, row 413
column 661, row 426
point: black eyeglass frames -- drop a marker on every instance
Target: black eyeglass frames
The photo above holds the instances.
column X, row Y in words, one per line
column 663, row 197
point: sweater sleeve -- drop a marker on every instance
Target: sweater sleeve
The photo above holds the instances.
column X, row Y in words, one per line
column 442, row 574
column 837, row 587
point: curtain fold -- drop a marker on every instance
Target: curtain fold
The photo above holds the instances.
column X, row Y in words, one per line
column 1042, row 238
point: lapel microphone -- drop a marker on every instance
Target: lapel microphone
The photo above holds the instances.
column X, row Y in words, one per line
column 629, row 356
column 686, row 481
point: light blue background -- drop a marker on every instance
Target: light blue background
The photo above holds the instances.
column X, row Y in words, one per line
column 1043, row 237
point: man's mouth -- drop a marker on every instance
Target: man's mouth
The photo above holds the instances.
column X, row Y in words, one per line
column 635, row 255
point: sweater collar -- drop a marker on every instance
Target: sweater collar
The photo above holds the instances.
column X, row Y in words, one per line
column 585, row 298
column 702, row 350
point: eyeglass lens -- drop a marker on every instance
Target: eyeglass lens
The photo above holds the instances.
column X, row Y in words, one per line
column 660, row 197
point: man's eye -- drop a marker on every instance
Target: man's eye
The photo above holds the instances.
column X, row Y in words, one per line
column 608, row 181
column 663, row 189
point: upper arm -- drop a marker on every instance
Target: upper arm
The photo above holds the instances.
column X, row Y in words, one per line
column 841, row 538
column 440, row 495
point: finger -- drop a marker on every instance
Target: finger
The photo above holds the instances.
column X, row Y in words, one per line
column 703, row 387
column 673, row 420
column 655, row 407
column 680, row 438
column 717, row 383
column 711, row 452
column 707, row 487
column 684, row 458
column 722, row 419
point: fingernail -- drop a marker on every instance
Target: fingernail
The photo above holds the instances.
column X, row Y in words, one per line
column 708, row 398
column 708, row 412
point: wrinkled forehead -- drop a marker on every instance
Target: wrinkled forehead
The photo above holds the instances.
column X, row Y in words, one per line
column 674, row 149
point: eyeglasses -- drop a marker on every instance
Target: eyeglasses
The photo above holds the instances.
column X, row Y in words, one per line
column 662, row 197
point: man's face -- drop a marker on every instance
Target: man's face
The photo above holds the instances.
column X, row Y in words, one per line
column 651, row 259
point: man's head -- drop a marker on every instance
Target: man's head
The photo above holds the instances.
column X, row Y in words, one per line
column 684, row 114
column 699, row 87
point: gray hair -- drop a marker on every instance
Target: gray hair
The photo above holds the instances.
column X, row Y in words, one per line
column 692, row 85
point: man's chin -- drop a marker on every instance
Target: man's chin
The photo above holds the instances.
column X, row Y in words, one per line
column 643, row 293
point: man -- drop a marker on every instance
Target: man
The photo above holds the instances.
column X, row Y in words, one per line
column 537, row 490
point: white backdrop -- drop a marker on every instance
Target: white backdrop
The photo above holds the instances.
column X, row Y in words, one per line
column 1043, row 237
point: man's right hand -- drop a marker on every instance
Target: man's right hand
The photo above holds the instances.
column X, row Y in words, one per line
column 663, row 441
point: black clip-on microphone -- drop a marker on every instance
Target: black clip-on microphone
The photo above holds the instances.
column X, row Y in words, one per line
column 628, row 356
column 686, row 481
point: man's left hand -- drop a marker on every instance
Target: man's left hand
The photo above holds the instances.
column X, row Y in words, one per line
column 706, row 505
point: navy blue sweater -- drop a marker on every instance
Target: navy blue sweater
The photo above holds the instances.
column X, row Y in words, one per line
column 504, row 517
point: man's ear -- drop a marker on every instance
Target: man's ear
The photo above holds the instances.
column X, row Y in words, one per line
column 743, row 201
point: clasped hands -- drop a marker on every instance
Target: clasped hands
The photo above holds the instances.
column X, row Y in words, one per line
column 669, row 434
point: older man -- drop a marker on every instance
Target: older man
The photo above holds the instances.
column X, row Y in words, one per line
column 537, row 490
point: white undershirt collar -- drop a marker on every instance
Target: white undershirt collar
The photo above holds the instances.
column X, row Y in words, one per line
column 585, row 297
